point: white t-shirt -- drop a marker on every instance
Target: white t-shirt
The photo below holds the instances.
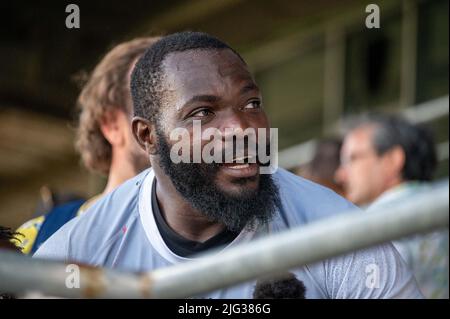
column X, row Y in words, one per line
column 120, row 232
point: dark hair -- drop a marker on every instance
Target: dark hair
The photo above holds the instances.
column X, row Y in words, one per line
column 287, row 287
column 7, row 239
column 416, row 141
column 326, row 158
column 324, row 164
column 147, row 76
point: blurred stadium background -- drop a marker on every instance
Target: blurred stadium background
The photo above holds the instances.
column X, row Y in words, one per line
column 315, row 61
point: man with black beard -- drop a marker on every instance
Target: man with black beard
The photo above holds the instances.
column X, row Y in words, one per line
column 170, row 213
column 197, row 184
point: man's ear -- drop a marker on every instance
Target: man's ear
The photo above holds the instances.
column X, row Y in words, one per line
column 396, row 160
column 145, row 134
column 112, row 127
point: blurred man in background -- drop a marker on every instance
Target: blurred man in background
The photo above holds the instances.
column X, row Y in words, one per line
column 385, row 159
column 380, row 153
column 104, row 138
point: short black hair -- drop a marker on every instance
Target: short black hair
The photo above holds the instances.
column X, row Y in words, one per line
column 416, row 141
column 286, row 287
column 8, row 239
column 147, row 76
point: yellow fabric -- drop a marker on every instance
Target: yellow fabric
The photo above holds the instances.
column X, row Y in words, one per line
column 29, row 232
column 30, row 229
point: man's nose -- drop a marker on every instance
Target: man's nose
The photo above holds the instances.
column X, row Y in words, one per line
column 233, row 123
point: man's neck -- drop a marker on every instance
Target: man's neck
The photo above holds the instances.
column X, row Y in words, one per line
column 121, row 170
column 181, row 216
column 393, row 184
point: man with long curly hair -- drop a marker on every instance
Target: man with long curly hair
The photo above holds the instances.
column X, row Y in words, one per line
column 104, row 138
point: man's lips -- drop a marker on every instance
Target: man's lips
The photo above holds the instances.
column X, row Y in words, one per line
column 240, row 170
column 244, row 159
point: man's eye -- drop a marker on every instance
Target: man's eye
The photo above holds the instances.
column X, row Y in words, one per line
column 253, row 105
column 201, row 113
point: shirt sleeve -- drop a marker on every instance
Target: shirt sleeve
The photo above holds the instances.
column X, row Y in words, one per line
column 57, row 246
column 374, row 273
